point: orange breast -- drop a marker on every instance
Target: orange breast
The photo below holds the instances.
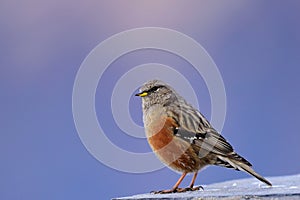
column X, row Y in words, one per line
column 174, row 152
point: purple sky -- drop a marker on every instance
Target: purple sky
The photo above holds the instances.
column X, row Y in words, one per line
column 255, row 45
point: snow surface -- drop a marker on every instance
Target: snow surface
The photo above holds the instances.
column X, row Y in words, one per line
column 284, row 187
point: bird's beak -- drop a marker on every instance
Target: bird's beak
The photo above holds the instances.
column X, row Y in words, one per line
column 142, row 94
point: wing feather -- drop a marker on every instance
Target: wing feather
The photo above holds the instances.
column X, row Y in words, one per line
column 209, row 141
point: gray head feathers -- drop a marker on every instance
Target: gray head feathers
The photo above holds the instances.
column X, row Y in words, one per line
column 157, row 92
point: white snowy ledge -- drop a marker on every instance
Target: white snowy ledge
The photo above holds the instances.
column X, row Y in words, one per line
column 284, row 187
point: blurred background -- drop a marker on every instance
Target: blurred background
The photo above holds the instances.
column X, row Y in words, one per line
column 255, row 44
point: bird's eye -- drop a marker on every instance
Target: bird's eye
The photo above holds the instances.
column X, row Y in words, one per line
column 155, row 88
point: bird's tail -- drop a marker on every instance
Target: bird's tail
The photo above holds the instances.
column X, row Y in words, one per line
column 239, row 163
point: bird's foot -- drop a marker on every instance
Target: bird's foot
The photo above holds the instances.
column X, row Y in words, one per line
column 178, row 190
column 190, row 189
column 164, row 191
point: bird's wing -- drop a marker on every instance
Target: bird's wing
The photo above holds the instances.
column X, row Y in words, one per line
column 193, row 127
column 210, row 140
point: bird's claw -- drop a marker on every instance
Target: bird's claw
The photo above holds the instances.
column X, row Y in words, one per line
column 190, row 189
column 178, row 190
column 163, row 191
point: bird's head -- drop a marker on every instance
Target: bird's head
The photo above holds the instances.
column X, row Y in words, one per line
column 156, row 92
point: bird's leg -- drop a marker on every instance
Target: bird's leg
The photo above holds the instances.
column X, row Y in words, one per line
column 191, row 187
column 193, row 181
column 175, row 187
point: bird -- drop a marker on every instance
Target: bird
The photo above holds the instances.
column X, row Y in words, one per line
column 182, row 138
